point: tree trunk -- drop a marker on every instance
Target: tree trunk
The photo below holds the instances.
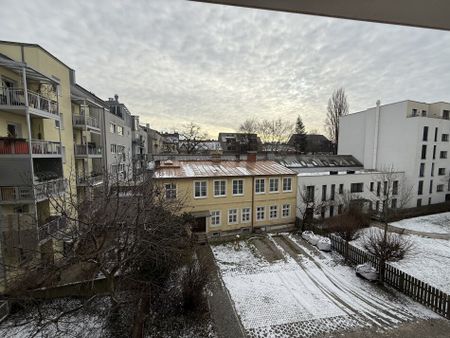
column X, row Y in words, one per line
column 141, row 314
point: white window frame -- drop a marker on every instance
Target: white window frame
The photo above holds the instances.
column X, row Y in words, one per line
column 277, row 180
column 119, row 130
column 237, row 182
column 112, row 128
column 273, row 208
column 259, row 180
column 288, row 179
column 215, row 214
column 199, row 197
column 220, row 187
column 284, row 208
column 248, row 213
column 170, row 188
column 233, row 213
column 258, row 211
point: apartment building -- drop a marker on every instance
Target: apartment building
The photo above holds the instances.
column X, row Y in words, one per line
column 230, row 196
column 118, row 140
column 410, row 136
column 35, row 113
column 326, row 184
column 155, row 141
column 139, row 148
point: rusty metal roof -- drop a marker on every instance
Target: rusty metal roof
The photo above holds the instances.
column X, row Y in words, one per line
column 188, row 169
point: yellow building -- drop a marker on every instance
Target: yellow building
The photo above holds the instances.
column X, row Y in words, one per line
column 36, row 148
column 229, row 197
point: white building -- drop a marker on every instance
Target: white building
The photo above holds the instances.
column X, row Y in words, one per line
column 409, row 136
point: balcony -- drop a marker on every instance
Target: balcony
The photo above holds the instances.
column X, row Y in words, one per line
column 24, row 194
column 40, row 148
column 92, row 180
column 86, row 122
column 88, row 151
column 13, row 100
column 52, row 228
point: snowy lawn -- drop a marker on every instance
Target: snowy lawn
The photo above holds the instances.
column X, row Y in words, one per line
column 437, row 223
column 305, row 294
column 429, row 261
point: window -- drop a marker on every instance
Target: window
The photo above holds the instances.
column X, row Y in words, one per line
column 378, row 188
column 444, row 138
column 310, row 193
column 385, row 188
column 440, row 188
column 322, row 212
column 414, row 112
column 245, row 215
column 441, row 171
column 324, row 192
column 287, row 184
column 286, row 210
column 112, row 127
column 331, row 210
column 435, row 134
column 220, row 188
column 424, row 113
column 215, row 217
column 260, row 185
column 443, row 154
column 232, row 216
column 333, row 192
column 431, row 186
column 200, row 189
column 340, row 207
column 434, row 152
column 113, row 148
column 260, row 213
column 394, row 203
column 356, row 187
column 432, row 169
column 273, row 211
column 419, row 202
column 446, row 114
column 420, row 188
column 273, row 185
column 60, row 123
column 425, row 134
column 371, row 186
column 171, row 191
column 341, row 189
column 238, row 187
column 120, row 130
column 395, row 188
column 423, row 156
column 422, row 170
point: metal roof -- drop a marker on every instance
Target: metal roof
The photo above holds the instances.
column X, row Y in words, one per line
column 194, row 169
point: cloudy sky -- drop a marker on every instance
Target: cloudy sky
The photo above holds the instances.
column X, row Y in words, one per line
column 175, row 61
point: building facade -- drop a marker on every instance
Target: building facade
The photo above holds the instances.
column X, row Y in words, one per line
column 228, row 197
column 408, row 136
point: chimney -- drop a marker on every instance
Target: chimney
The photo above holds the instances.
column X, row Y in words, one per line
column 251, row 156
column 116, row 97
column 216, row 157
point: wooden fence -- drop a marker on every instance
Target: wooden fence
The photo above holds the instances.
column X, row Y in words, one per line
column 418, row 290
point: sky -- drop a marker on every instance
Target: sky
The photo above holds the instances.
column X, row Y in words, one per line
column 176, row 61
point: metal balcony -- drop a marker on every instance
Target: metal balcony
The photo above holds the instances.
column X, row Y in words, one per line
column 24, row 194
column 48, row 189
column 88, row 151
column 92, row 180
column 42, row 148
column 13, row 100
column 52, row 228
column 39, row 148
column 86, row 122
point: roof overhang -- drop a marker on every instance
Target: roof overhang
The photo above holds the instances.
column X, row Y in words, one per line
column 417, row 13
column 18, row 68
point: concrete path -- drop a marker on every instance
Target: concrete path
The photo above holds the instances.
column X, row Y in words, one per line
column 223, row 313
column 403, row 231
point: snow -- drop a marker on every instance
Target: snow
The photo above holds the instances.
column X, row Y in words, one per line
column 429, row 260
column 437, row 223
column 297, row 294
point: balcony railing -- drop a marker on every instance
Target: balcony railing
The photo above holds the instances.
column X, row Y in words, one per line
column 85, row 121
column 48, row 189
column 52, row 228
column 87, row 150
column 90, row 180
column 15, row 97
column 13, row 146
column 15, row 194
column 40, row 147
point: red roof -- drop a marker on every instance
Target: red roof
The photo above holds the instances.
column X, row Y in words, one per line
column 186, row 169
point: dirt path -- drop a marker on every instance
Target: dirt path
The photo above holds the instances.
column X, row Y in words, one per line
column 267, row 249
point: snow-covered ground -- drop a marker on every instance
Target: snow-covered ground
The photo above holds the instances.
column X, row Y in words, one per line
column 429, row 260
column 437, row 223
column 305, row 293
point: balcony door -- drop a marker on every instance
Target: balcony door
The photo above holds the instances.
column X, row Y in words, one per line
column 14, row 130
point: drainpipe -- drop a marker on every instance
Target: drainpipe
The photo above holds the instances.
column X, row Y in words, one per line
column 253, row 203
column 375, row 138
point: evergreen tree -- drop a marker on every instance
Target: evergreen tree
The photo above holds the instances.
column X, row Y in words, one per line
column 300, row 137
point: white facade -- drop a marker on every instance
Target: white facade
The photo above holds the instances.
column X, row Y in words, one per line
column 407, row 136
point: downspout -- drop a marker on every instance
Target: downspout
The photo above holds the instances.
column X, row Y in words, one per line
column 375, row 139
column 253, row 204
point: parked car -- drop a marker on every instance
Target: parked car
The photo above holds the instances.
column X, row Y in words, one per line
column 367, row 271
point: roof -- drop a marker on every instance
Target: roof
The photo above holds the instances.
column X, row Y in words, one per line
column 193, row 169
column 317, row 161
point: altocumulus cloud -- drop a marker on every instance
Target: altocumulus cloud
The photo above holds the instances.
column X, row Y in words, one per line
column 173, row 61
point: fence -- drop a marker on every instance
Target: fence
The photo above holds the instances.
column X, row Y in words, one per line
column 418, row 290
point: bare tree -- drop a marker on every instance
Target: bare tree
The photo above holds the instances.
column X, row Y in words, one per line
column 337, row 107
column 191, row 135
column 310, row 206
column 130, row 236
column 249, row 126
